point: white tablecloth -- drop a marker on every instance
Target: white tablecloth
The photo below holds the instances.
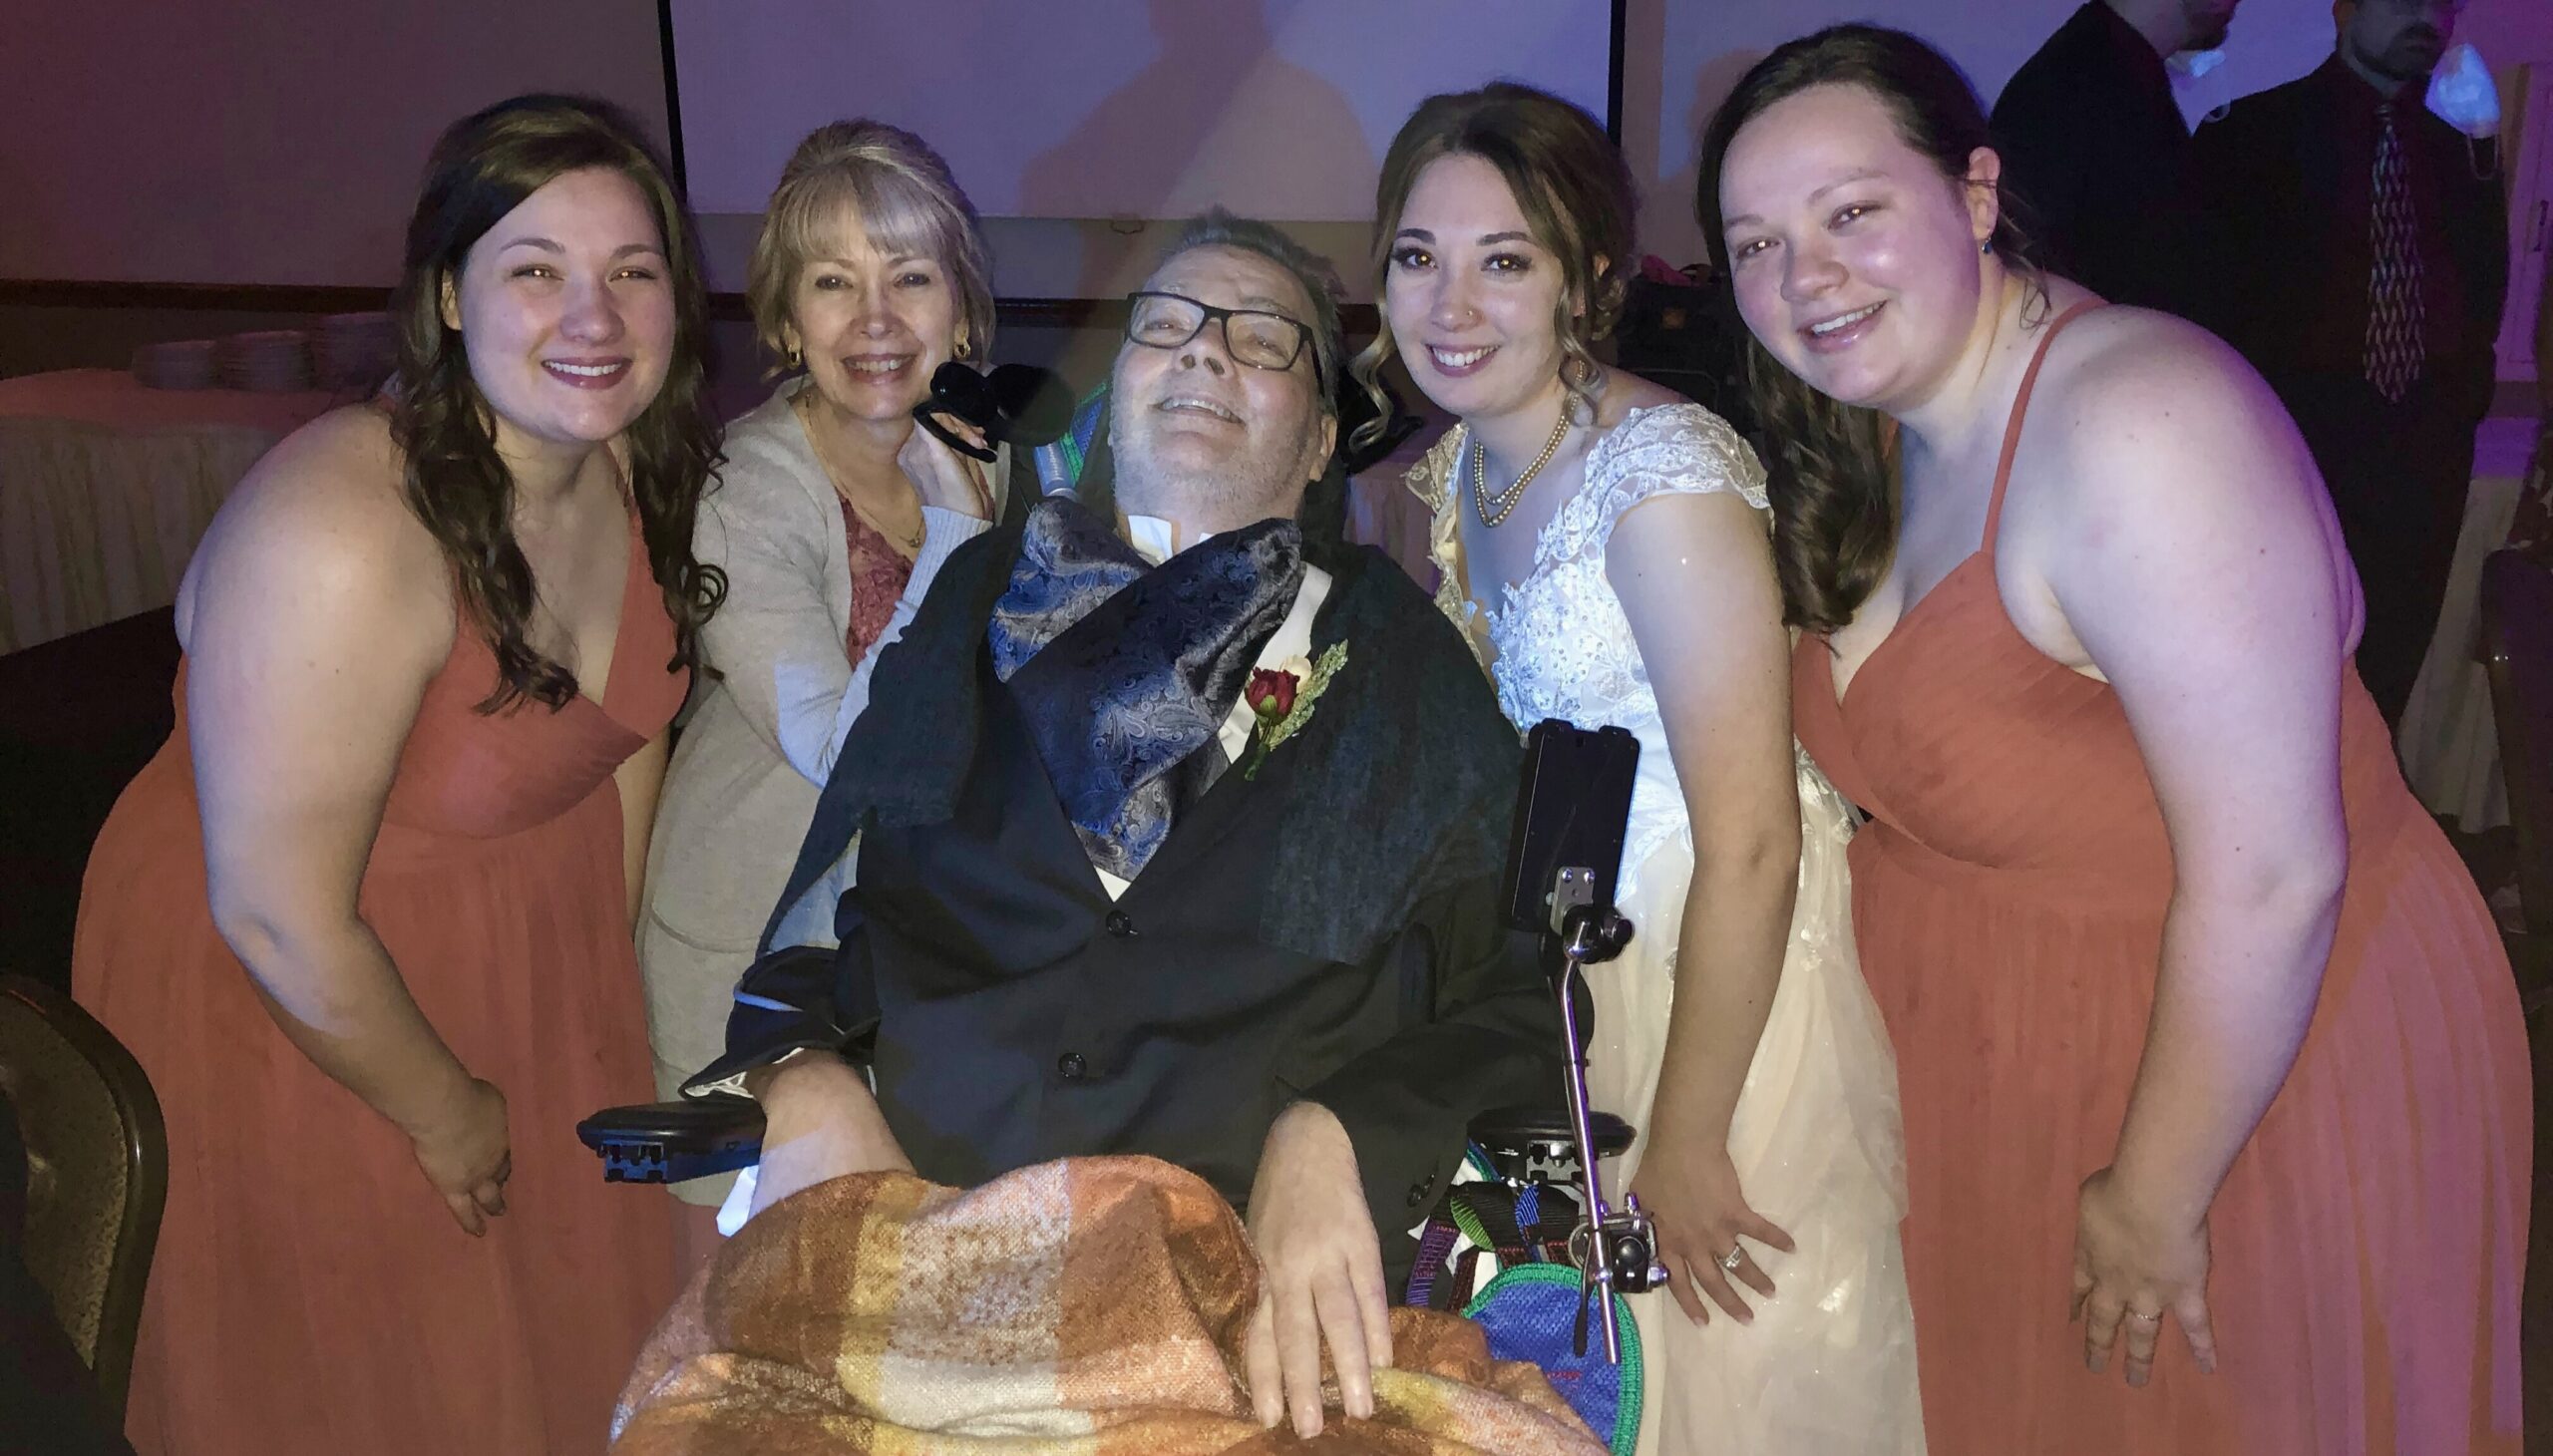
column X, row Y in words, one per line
column 2450, row 746
column 105, row 487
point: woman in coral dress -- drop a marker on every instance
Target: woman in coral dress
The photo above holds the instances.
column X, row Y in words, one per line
column 2203, row 1032
column 366, row 918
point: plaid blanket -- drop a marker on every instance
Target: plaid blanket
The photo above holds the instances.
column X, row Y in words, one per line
column 1084, row 1308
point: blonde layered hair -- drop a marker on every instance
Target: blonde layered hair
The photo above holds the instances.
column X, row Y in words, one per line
column 907, row 201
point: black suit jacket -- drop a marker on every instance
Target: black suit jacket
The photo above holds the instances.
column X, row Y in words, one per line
column 2098, row 156
column 2286, row 180
column 1324, row 931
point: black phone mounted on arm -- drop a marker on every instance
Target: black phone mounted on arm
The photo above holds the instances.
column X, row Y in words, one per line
column 1016, row 403
column 1564, row 857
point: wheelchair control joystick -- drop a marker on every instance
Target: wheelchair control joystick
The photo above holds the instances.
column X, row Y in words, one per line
column 1616, row 1249
column 1573, row 809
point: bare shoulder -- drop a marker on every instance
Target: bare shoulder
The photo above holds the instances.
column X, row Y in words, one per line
column 2140, row 409
column 2154, row 459
column 323, row 521
column 1625, row 391
column 336, row 487
column 2136, row 374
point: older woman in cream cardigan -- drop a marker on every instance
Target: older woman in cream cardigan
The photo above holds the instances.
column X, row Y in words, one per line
column 832, row 516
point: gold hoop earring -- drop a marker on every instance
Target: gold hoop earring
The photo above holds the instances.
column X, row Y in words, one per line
column 963, row 350
column 795, row 361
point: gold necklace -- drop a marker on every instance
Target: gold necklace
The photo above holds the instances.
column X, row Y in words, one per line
column 909, row 544
column 1508, row 497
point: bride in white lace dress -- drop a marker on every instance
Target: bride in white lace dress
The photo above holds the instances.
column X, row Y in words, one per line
column 1604, row 547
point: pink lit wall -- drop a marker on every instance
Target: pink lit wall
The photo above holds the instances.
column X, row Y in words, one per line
column 1113, row 109
column 280, row 140
column 268, row 141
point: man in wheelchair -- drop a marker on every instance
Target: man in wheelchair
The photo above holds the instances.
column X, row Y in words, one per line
column 1180, row 832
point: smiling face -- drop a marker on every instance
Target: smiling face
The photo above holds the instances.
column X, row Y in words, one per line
column 1856, row 262
column 1201, row 438
column 1473, row 300
column 873, row 323
column 566, row 313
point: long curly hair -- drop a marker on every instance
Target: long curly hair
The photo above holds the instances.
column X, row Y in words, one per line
column 484, row 166
column 1569, row 181
column 1832, row 467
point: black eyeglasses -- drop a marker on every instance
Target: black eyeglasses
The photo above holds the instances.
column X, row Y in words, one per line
column 1254, row 336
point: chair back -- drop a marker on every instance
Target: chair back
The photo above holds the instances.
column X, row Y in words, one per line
column 2517, row 654
column 97, row 1171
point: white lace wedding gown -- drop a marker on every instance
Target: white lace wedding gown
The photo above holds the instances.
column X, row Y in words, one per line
column 1828, row 1366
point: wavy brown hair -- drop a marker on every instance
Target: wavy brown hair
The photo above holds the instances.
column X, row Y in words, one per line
column 484, row 167
column 1569, row 181
column 1832, row 467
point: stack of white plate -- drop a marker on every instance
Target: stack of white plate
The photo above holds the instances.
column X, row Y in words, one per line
column 186, row 365
column 269, row 361
column 354, row 350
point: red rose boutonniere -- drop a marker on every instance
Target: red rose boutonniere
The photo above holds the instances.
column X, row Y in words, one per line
column 1281, row 699
column 1272, row 693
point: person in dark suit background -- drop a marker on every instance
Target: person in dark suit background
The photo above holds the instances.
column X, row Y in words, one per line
column 2097, row 153
column 1097, row 912
column 2355, row 251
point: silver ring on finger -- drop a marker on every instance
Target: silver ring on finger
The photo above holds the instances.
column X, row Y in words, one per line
column 2141, row 1318
column 1735, row 1255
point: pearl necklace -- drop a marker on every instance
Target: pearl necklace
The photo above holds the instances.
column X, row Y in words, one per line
column 1506, row 499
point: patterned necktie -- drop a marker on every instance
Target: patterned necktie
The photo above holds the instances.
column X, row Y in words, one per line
column 2395, row 348
column 1125, row 671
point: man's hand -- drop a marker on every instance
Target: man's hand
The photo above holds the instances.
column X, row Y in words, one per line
column 1323, row 1274
column 820, row 1122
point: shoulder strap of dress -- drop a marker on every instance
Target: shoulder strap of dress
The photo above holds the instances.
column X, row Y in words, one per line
column 2012, row 426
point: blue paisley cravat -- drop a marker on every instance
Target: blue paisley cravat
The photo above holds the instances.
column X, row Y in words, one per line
column 1125, row 671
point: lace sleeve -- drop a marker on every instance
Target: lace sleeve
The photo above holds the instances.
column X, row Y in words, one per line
column 1434, row 481
column 1680, row 447
column 1431, row 479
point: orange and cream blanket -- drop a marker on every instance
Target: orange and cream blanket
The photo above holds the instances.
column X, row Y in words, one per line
column 1086, row 1307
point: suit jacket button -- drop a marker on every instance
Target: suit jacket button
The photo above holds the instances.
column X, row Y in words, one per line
column 1417, row 1192
column 1120, row 925
column 1070, row 1066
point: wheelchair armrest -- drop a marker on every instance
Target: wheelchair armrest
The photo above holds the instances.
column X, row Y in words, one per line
column 670, row 1142
column 1533, row 1143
